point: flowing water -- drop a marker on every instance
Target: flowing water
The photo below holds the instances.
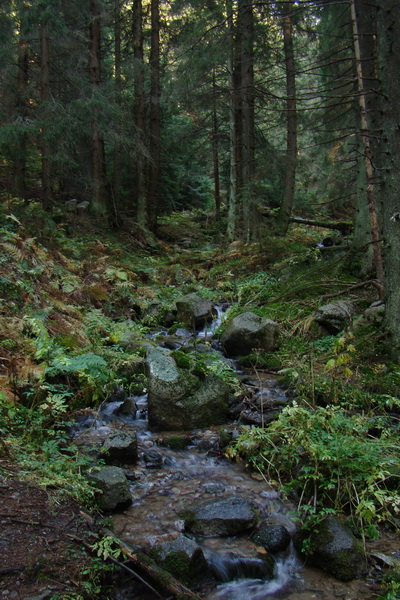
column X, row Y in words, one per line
column 164, row 482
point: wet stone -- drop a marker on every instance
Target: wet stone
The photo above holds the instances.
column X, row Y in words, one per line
column 114, row 492
column 120, row 448
column 227, row 516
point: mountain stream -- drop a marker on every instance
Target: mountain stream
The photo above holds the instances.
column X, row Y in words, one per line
column 164, row 482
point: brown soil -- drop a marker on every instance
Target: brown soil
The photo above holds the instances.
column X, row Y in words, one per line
column 38, row 559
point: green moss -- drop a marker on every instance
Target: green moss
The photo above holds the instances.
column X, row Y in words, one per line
column 176, row 442
column 178, row 564
column 183, row 360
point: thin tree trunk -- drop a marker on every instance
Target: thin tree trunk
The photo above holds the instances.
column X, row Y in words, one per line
column 215, row 146
column 232, row 200
column 285, row 210
column 99, row 201
column 45, row 97
column 370, row 175
column 155, row 117
column 140, row 195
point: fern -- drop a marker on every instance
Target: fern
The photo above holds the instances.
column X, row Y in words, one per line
column 97, row 322
column 13, row 251
column 45, row 346
column 113, row 274
column 90, row 369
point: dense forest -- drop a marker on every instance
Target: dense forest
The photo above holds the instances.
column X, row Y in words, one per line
column 171, row 166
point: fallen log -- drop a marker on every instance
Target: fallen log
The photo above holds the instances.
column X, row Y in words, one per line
column 148, row 571
column 342, row 226
column 161, row 579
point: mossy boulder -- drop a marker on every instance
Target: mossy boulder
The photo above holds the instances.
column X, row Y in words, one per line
column 334, row 548
column 249, row 332
column 194, row 311
column 178, row 400
column 334, row 317
column 182, row 557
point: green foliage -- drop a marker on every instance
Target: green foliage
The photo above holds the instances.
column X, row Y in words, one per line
column 106, row 547
column 328, row 458
column 391, row 585
column 37, row 441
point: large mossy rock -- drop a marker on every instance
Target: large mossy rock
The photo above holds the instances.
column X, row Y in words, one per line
column 334, row 317
column 335, row 550
column 227, row 516
column 114, row 492
column 194, row 311
column 178, row 400
column 248, row 332
column 182, row 557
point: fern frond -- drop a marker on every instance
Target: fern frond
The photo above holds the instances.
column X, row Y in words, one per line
column 13, row 251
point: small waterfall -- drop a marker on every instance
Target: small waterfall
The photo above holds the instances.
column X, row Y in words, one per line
column 257, row 587
column 209, row 329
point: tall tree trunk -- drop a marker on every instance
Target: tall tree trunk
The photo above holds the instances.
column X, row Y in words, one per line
column 285, row 210
column 140, row 193
column 215, row 147
column 389, row 60
column 45, row 97
column 155, row 117
column 365, row 136
column 19, row 175
column 366, row 19
column 246, row 27
column 116, row 181
column 232, row 199
column 99, row 200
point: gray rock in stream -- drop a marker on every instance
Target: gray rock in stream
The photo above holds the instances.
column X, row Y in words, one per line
column 178, row 400
column 248, row 332
column 114, row 492
column 335, row 550
column 120, row 448
column 228, row 516
column 272, row 535
column 194, row 311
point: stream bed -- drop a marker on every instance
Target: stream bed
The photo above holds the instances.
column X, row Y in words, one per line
column 164, row 482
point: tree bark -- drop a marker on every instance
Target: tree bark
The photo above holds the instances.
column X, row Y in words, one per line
column 366, row 19
column 45, row 97
column 155, row 117
column 215, row 147
column 232, row 198
column 139, row 108
column 246, row 25
column 389, row 61
column 285, row 210
column 99, row 201
column 19, row 175
column 116, row 182
column 369, row 169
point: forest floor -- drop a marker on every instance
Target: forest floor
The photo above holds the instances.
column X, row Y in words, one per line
column 38, row 558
